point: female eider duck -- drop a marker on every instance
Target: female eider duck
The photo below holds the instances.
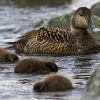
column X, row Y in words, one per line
column 53, row 83
column 35, row 66
column 75, row 40
column 7, row 57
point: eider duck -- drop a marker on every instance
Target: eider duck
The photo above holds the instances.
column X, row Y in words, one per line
column 34, row 66
column 7, row 57
column 53, row 83
column 77, row 39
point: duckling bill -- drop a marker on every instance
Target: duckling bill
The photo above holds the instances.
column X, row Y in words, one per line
column 77, row 39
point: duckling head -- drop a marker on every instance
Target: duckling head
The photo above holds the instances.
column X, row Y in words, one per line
column 82, row 20
column 51, row 66
column 39, row 87
column 10, row 57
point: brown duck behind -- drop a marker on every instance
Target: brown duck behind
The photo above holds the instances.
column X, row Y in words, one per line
column 61, row 41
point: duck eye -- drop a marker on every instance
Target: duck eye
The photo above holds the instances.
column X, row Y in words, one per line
column 81, row 15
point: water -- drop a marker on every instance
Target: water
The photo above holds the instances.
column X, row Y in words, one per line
column 16, row 21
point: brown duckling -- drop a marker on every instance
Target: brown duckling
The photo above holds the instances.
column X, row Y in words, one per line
column 77, row 39
column 53, row 83
column 34, row 66
column 7, row 57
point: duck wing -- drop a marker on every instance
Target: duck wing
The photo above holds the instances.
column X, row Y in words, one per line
column 54, row 34
column 53, row 41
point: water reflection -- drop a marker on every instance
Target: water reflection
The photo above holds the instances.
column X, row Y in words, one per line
column 83, row 66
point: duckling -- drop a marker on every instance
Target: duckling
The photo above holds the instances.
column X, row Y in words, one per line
column 34, row 66
column 77, row 39
column 7, row 57
column 53, row 83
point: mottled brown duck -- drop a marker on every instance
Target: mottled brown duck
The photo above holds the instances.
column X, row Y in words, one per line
column 77, row 39
column 53, row 83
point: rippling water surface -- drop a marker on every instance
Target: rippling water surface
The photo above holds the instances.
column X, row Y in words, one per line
column 14, row 22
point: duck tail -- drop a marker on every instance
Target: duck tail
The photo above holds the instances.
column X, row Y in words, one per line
column 18, row 45
column 10, row 47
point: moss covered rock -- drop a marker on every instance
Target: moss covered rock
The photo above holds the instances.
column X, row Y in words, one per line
column 97, row 25
column 59, row 21
column 94, row 83
column 96, row 9
column 96, row 21
column 41, row 23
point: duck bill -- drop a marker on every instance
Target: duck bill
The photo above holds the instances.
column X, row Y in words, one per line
column 90, row 26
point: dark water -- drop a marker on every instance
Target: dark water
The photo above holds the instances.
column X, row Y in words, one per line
column 15, row 21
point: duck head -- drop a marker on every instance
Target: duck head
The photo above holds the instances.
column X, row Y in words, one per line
column 82, row 20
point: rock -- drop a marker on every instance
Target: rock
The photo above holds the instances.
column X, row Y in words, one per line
column 59, row 21
column 96, row 21
column 96, row 9
column 53, row 83
column 6, row 56
column 41, row 23
column 97, row 25
column 93, row 84
column 33, row 66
